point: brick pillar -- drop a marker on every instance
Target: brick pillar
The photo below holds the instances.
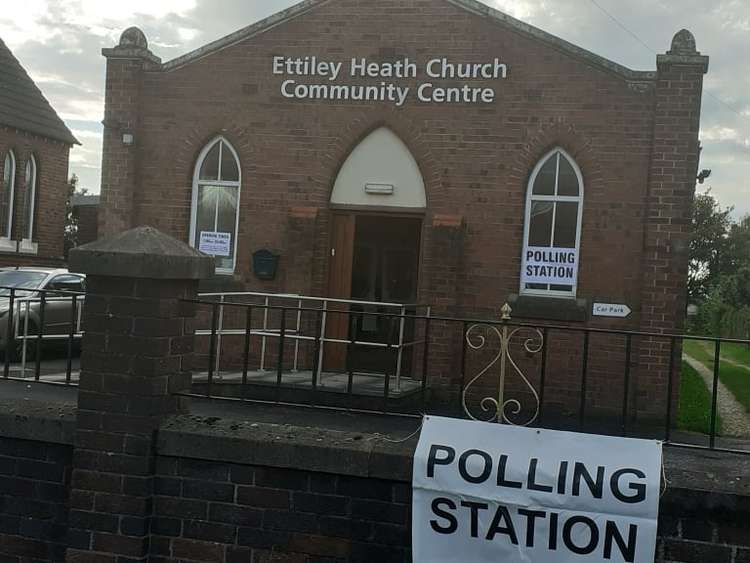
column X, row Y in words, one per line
column 674, row 166
column 136, row 356
column 125, row 65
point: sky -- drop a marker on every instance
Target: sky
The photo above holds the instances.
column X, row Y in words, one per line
column 59, row 43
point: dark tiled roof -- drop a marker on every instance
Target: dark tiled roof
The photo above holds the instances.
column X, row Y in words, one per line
column 22, row 104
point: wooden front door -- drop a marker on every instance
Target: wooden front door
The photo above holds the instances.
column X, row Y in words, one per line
column 343, row 228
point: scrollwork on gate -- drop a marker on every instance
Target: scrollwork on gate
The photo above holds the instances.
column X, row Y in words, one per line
column 500, row 407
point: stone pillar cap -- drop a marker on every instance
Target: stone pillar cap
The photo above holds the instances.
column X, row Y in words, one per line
column 133, row 45
column 683, row 51
column 143, row 252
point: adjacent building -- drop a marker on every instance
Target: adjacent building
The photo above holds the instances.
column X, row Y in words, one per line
column 34, row 149
column 85, row 211
column 426, row 151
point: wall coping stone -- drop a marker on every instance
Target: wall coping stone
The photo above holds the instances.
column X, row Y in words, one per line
column 364, row 454
column 38, row 421
column 679, row 59
column 143, row 252
column 286, row 446
column 725, row 477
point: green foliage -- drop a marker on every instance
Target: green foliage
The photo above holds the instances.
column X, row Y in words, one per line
column 709, row 245
column 71, row 220
column 719, row 279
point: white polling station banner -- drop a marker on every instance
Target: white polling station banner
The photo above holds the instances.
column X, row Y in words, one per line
column 215, row 244
column 489, row 493
column 555, row 266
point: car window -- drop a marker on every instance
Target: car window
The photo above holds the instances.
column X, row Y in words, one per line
column 19, row 279
column 66, row 282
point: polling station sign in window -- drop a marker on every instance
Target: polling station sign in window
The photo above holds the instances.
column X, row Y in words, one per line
column 554, row 266
column 488, row 493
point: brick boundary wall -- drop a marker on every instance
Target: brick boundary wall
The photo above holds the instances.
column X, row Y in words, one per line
column 226, row 490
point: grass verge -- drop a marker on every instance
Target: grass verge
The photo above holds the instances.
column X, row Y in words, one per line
column 735, row 377
column 695, row 403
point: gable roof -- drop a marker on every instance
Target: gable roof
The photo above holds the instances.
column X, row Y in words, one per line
column 473, row 6
column 22, row 104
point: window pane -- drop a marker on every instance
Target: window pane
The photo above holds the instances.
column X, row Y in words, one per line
column 205, row 220
column 567, row 288
column 28, row 203
column 545, row 180
column 227, row 221
column 566, row 223
column 66, row 283
column 540, row 225
column 567, row 184
column 210, row 166
column 229, row 170
column 7, row 170
column 5, row 195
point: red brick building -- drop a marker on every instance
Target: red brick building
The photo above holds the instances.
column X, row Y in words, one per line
column 34, row 149
column 431, row 151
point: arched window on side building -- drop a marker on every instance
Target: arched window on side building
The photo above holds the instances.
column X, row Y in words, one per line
column 29, row 204
column 7, row 198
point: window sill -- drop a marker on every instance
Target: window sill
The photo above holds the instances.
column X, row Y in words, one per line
column 567, row 309
column 28, row 247
column 7, row 245
column 222, row 283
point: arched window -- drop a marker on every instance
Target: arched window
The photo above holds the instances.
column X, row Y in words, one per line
column 552, row 238
column 29, row 203
column 216, row 200
column 8, row 193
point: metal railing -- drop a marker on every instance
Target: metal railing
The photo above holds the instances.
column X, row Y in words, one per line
column 299, row 304
column 24, row 328
column 280, row 349
column 611, row 381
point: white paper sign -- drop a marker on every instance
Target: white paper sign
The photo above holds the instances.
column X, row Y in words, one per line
column 216, row 244
column 489, row 493
column 555, row 266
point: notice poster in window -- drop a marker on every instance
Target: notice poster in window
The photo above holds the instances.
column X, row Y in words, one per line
column 215, row 244
column 555, row 266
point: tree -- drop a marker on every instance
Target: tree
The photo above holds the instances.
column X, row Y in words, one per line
column 737, row 247
column 711, row 246
column 71, row 220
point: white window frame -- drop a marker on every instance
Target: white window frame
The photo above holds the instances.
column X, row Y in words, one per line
column 197, row 183
column 530, row 198
column 6, row 243
column 31, row 179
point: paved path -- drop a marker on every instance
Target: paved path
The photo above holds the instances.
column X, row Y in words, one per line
column 734, row 417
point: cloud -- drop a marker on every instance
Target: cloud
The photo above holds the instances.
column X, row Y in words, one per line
column 60, row 41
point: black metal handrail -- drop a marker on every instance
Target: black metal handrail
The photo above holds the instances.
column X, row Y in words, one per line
column 631, row 342
column 429, row 336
